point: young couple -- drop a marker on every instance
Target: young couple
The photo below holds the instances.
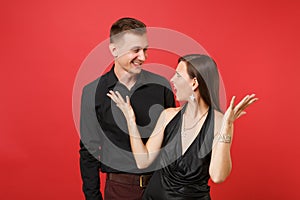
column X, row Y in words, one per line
column 186, row 145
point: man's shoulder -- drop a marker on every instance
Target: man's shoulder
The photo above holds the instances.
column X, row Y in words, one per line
column 93, row 84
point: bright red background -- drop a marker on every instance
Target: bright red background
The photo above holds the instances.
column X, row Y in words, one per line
column 255, row 43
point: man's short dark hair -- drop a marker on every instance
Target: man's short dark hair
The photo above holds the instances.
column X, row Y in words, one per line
column 126, row 24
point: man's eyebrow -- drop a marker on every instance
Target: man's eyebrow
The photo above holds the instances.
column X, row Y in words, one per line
column 139, row 47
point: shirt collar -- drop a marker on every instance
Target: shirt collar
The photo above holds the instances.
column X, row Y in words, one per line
column 112, row 79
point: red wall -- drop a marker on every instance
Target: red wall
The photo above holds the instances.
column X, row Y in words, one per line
column 43, row 43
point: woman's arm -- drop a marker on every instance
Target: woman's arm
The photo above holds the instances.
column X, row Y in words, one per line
column 220, row 164
column 144, row 154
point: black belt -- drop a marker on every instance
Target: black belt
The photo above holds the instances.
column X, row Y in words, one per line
column 133, row 179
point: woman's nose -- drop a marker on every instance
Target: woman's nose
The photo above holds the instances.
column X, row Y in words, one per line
column 172, row 79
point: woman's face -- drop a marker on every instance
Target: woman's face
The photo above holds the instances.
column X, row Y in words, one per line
column 182, row 82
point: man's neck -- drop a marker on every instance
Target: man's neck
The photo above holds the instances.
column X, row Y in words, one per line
column 126, row 78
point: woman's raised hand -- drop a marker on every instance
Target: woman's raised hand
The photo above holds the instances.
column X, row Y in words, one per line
column 233, row 112
column 120, row 103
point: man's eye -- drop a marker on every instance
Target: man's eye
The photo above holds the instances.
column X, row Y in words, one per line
column 135, row 50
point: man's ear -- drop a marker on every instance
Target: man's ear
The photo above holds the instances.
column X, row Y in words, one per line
column 113, row 50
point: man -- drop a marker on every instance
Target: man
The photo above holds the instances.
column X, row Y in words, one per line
column 105, row 141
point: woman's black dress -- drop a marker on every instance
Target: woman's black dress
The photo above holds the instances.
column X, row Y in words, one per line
column 183, row 176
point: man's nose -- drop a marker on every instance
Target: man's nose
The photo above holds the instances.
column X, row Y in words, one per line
column 142, row 55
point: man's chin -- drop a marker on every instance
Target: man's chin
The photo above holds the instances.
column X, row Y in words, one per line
column 136, row 70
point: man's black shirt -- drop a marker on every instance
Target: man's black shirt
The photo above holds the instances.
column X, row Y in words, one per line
column 103, row 128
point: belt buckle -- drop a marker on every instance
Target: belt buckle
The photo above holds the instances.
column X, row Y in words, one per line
column 141, row 181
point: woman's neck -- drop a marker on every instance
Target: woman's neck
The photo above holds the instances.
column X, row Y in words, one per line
column 195, row 108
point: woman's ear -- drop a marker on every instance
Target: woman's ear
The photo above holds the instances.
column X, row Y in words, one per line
column 113, row 50
column 195, row 84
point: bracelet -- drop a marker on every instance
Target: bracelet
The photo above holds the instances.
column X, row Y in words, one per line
column 224, row 138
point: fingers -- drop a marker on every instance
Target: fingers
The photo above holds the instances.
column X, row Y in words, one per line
column 251, row 99
column 243, row 104
column 128, row 100
column 112, row 95
column 241, row 114
column 119, row 97
column 232, row 102
column 116, row 97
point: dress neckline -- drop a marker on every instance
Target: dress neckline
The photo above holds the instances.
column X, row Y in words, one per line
column 183, row 154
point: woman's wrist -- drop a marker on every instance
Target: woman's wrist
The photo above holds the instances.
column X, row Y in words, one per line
column 226, row 133
column 131, row 121
column 225, row 138
column 228, row 123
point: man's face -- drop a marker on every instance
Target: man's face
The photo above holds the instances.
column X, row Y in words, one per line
column 130, row 52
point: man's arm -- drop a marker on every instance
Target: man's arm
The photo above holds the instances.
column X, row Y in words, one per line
column 89, row 167
column 89, row 145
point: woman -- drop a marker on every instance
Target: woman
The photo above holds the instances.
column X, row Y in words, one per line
column 193, row 141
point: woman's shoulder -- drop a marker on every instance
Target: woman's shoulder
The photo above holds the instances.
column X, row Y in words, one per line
column 173, row 111
column 170, row 113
